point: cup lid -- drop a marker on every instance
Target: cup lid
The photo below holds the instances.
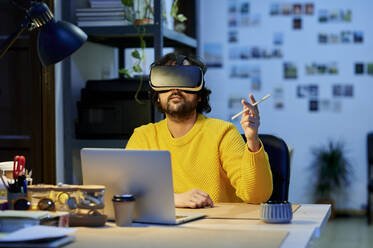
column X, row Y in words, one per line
column 124, row 198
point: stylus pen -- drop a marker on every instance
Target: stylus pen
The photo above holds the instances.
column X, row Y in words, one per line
column 254, row 104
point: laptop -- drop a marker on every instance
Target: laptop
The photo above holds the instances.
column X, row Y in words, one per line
column 146, row 174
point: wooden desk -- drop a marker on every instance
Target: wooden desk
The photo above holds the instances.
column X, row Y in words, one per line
column 307, row 224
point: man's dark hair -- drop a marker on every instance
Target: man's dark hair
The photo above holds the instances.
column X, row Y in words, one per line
column 203, row 105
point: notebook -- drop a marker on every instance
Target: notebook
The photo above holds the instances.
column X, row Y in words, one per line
column 143, row 173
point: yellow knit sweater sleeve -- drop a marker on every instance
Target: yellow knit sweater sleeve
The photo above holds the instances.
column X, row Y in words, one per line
column 249, row 172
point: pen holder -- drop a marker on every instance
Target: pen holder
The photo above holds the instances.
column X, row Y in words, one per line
column 278, row 212
column 19, row 201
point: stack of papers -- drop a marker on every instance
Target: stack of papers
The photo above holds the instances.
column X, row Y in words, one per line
column 37, row 236
column 102, row 13
column 13, row 220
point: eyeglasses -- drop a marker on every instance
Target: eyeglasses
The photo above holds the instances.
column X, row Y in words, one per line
column 45, row 204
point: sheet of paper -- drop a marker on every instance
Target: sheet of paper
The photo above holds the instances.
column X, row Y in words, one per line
column 24, row 214
column 36, row 233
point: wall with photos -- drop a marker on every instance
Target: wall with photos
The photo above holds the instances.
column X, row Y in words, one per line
column 316, row 60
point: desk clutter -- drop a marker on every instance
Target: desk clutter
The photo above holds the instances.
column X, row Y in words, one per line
column 84, row 203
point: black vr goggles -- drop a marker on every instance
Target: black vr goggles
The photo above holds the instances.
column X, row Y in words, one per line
column 183, row 77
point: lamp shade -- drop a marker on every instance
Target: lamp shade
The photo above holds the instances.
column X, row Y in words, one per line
column 58, row 40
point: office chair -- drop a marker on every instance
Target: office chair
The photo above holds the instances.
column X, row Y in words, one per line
column 370, row 176
column 279, row 160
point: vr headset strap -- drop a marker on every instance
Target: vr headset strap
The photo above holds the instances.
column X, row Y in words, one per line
column 180, row 59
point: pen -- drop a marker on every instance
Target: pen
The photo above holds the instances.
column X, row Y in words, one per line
column 254, row 104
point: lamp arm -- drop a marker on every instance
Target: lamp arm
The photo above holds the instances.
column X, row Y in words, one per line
column 14, row 36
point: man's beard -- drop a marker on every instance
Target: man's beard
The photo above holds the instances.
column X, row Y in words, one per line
column 181, row 110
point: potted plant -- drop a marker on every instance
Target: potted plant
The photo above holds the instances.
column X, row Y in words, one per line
column 332, row 172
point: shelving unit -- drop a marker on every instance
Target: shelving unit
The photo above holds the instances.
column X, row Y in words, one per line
column 126, row 36
column 157, row 36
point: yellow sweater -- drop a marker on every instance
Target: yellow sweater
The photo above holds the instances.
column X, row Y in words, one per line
column 211, row 157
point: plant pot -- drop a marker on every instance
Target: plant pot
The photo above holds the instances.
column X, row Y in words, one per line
column 143, row 21
column 332, row 214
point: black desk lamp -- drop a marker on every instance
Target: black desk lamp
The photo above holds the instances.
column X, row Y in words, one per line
column 56, row 39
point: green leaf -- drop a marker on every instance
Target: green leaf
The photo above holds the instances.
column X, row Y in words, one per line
column 136, row 54
column 128, row 3
column 137, row 68
column 181, row 18
column 125, row 72
column 174, row 8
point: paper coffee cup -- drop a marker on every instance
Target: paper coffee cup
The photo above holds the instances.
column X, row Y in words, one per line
column 123, row 209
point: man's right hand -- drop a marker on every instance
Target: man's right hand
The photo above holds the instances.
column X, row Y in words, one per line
column 194, row 198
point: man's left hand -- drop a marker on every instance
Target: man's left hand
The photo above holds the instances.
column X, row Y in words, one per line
column 250, row 122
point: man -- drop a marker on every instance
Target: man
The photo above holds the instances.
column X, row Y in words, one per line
column 210, row 161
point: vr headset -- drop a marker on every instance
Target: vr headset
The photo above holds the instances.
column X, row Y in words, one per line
column 183, row 77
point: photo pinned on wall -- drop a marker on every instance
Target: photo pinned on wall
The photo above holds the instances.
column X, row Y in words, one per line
column 232, row 7
column 348, row 90
column 323, row 15
column 297, row 9
column 297, row 23
column 343, row 90
column 322, row 68
column 359, row 68
column 213, row 54
column 232, row 21
column 239, row 14
column 234, row 102
column 239, row 71
column 324, row 105
column 234, row 53
column 323, row 38
column 337, row 90
column 278, row 98
column 232, row 36
column 308, row 91
column 286, row 9
column 245, row 8
column 255, row 76
column 358, row 37
column 255, row 52
column 277, row 53
column 254, row 20
column 244, row 20
column 235, row 106
column 336, row 106
column 334, row 38
column 274, row 9
column 278, row 38
column 309, row 8
column 335, row 15
column 345, row 36
column 245, row 53
column 370, row 69
column 313, row 105
column 290, row 70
